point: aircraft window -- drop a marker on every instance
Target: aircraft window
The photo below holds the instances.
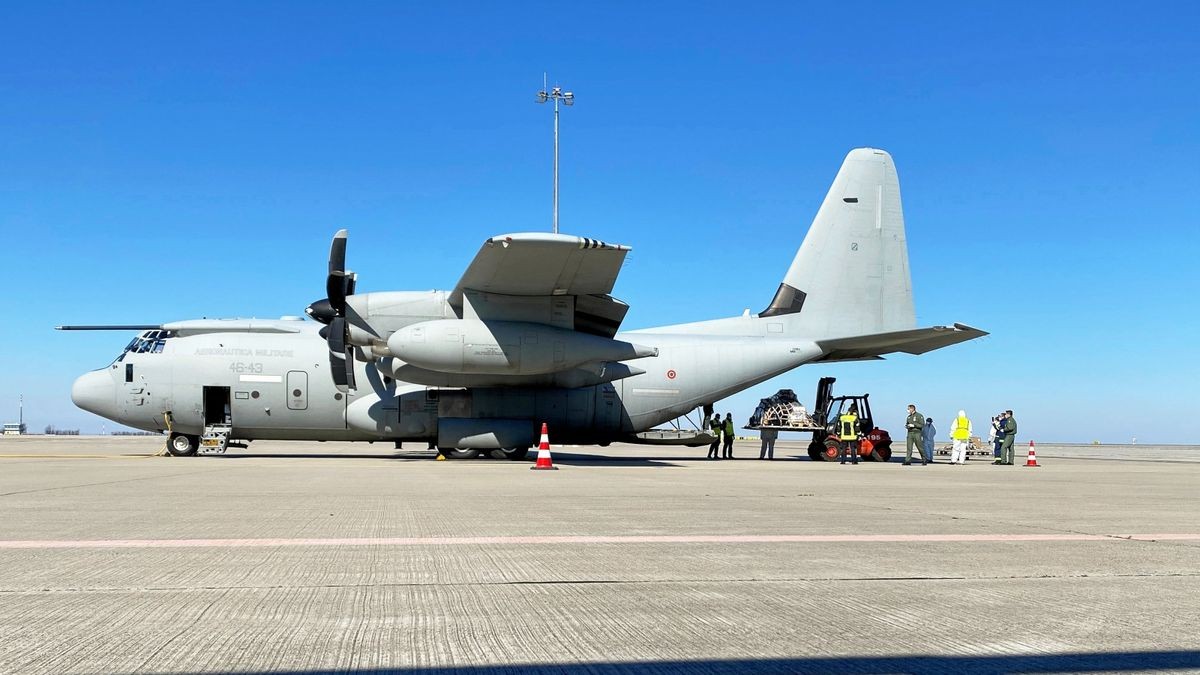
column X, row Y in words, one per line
column 150, row 342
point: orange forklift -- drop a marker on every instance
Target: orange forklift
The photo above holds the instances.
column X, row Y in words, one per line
column 875, row 445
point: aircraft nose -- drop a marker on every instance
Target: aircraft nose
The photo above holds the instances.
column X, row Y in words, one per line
column 94, row 392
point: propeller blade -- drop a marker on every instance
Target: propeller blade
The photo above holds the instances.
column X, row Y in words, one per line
column 341, row 355
column 337, row 368
column 332, row 312
column 348, row 364
column 336, row 283
column 337, row 335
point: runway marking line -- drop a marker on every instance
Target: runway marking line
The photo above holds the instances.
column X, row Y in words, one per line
column 583, row 539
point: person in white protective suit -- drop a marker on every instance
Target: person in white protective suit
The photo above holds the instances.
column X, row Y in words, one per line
column 960, row 433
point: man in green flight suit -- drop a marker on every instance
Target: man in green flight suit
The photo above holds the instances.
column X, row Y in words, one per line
column 1010, row 435
column 913, row 424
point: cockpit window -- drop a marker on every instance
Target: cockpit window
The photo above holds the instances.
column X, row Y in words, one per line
column 150, row 342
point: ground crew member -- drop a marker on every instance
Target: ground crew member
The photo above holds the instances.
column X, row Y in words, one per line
column 768, row 437
column 914, row 424
column 714, row 427
column 927, row 435
column 727, row 450
column 996, row 436
column 1010, row 436
column 960, row 433
column 848, row 433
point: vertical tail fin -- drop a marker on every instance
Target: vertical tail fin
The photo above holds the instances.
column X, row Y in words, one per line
column 850, row 276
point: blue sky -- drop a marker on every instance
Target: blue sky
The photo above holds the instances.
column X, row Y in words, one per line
column 161, row 161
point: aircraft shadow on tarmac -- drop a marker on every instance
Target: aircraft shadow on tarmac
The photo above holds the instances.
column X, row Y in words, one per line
column 1109, row 662
column 564, row 458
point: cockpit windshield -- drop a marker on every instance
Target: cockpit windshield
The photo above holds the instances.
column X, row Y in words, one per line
column 150, row 342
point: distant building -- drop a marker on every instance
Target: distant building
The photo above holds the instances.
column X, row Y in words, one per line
column 14, row 428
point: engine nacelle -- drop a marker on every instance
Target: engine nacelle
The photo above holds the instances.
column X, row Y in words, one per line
column 504, row 347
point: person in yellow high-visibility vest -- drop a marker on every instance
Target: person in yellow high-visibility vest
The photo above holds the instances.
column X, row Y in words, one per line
column 848, row 433
column 960, row 434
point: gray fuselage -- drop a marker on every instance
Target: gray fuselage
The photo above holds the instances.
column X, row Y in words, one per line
column 278, row 386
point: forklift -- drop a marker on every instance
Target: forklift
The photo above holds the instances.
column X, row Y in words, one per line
column 875, row 445
column 782, row 413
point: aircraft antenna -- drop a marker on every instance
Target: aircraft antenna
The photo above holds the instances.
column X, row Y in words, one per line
column 568, row 98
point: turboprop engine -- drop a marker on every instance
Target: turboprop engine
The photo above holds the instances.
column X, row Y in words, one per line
column 472, row 346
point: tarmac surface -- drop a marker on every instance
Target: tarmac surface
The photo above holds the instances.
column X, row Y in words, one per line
column 307, row 557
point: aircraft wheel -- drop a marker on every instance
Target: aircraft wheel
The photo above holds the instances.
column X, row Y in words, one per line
column 182, row 445
column 457, row 453
column 516, row 454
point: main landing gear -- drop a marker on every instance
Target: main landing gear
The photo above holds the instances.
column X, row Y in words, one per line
column 515, row 454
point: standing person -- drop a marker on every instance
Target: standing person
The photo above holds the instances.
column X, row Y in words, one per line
column 714, row 426
column 1010, row 437
column 914, row 424
column 960, row 433
column 727, row 450
column 768, row 437
column 848, row 436
column 927, row 435
column 996, row 435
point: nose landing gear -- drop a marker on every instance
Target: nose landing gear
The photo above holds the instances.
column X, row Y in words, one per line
column 182, row 445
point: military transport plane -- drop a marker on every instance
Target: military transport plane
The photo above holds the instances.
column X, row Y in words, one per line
column 529, row 335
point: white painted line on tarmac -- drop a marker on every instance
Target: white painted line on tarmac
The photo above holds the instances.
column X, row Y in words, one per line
column 582, row 539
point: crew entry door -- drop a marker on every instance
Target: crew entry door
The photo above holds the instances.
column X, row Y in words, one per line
column 216, row 406
column 297, row 390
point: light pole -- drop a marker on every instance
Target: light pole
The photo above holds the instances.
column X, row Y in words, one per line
column 568, row 98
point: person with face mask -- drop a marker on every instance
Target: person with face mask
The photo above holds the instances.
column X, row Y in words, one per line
column 913, row 425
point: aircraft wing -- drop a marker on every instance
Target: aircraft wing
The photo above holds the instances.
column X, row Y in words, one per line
column 514, row 275
column 916, row 341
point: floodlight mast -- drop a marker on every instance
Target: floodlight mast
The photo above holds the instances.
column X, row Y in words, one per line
column 568, row 98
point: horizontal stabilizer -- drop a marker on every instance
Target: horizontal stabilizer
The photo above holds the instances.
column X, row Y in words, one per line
column 917, row 341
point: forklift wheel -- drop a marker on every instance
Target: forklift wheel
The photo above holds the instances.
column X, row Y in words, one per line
column 882, row 453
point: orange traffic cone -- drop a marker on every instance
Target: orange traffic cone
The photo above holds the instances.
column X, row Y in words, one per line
column 1031, row 460
column 544, row 460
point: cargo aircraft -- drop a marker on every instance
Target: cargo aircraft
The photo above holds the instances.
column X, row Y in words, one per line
column 530, row 334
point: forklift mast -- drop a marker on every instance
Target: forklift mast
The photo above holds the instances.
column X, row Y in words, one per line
column 824, row 398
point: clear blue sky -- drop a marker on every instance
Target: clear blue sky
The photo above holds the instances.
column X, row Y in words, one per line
column 162, row 161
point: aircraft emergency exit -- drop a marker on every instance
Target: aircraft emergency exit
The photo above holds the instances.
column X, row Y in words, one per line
column 530, row 334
